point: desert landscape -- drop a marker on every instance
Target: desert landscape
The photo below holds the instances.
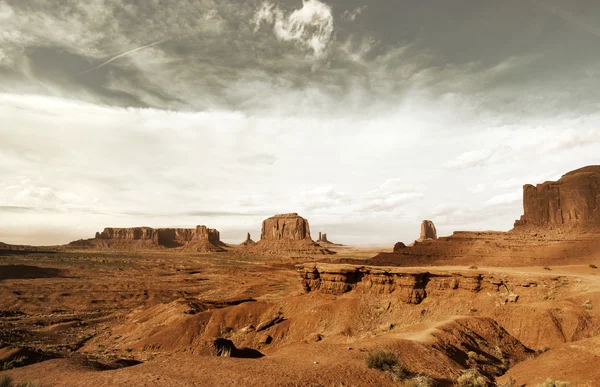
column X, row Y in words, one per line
column 299, row 193
column 179, row 307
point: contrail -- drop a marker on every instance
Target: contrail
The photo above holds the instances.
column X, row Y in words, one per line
column 124, row 54
column 569, row 17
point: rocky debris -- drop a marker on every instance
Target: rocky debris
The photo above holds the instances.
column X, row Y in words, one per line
column 269, row 323
column 428, row 231
column 248, row 241
column 197, row 239
column 572, row 200
column 399, row 246
column 285, row 227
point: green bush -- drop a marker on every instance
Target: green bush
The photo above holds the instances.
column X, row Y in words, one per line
column 472, row 378
column 386, row 361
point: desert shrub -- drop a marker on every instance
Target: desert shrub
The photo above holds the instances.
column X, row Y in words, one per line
column 586, row 305
column 386, row 361
column 474, row 356
column 16, row 362
column 421, row 381
column 509, row 383
column 473, row 267
column 6, row 381
column 541, row 350
column 593, row 266
column 554, row 383
column 472, row 378
column 547, row 268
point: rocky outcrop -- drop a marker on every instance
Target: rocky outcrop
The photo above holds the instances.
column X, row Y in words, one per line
column 572, row 200
column 285, row 227
column 198, row 239
column 399, row 246
column 134, row 233
column 324, row 241
column 286, row 235
column 411, row 286
column 248, row 241
column 428, row 231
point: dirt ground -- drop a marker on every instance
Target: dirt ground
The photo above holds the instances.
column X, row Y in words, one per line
column 101, row 318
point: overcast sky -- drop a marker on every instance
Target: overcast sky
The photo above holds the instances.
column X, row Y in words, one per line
column 365, row 117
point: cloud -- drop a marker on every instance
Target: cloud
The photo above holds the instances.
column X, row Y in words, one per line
column 310, row 26
column 391, row 195
column 259, row 159
column 321, row 198
column 507, row 198
column 352, row 15
column 475, row 158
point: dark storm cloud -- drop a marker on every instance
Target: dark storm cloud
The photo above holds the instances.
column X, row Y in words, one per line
column 186, row 55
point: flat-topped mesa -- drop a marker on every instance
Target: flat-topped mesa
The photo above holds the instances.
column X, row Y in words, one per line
column 133, row 233
column 200, row 238
column 573, row 200
column 290, row 227
column 428, row 230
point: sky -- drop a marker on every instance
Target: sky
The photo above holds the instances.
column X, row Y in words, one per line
column 365, row 117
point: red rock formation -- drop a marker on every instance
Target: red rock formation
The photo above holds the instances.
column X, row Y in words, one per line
column 572, row 200
column 428, row 230
column 399, row 246
column 286, row 235
column 248, row 241
column 200, row 238
column 134, row 233
column 285, row 227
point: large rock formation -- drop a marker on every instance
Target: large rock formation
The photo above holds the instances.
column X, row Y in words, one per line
column 199, row 239
column 572, row 200
column 428, row 230
column 285, row 227
column 324, row 241
column 286, row 235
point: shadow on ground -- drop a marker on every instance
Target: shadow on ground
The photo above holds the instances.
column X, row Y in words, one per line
column 28, row 272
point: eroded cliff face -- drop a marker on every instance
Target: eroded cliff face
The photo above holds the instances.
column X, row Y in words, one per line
column 201, row 238
column 285, row 227
column 572, row 200
column 410, row 286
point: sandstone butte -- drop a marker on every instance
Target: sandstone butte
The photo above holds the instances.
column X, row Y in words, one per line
column 200, row 238
column 572, row 200
column 287, row 234
column 285, row 227
column 428, row 230
column 561, row 221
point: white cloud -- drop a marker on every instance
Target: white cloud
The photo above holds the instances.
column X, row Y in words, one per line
column 507, row 198
column 352, row 15
column 321, row 198
column 475, row 158
column 311, row 26
column 257, row 159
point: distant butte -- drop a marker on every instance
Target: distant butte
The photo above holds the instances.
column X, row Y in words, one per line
column 572, row 200
column 199, row 239
column 287, row 234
